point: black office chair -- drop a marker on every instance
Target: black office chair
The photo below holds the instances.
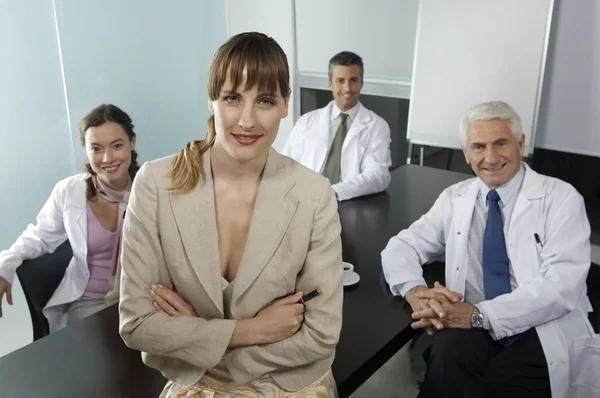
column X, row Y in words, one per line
column 39, row 279
column 593, row 291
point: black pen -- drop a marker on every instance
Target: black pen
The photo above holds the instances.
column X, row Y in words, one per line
column 537, row 239
column 310, row 296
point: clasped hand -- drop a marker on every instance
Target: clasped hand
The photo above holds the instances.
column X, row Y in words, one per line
column 438, row 308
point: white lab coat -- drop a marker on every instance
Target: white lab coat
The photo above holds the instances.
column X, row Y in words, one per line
column 551, row 293
column 64, row 216
column 366, row 157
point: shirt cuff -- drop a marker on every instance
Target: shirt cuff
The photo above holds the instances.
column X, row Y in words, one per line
column 8, row 276
column 486, row 320
column 403, row 288
column 336, row 189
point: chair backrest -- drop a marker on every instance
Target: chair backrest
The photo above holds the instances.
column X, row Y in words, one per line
column 434, row 272
column 39, row 279
column 593, row 291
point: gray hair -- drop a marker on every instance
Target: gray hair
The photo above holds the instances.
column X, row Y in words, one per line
column 346, row 58
column 494, row 110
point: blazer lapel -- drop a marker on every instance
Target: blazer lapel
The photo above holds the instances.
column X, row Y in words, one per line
column 272, row 215
column 81, row 220
column 532, row 188
column 197, row 222
column 78, row 207
column 321, row 129
column 357, row 126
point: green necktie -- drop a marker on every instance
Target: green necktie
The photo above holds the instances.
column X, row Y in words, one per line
column 333, row 165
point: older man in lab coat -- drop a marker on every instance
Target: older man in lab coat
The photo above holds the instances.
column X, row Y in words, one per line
column 344, row 141
column 512, row 320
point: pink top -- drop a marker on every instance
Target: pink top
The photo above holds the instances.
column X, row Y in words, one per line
column 101, row 245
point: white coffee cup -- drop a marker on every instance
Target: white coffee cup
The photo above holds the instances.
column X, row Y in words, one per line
column 350, row 277
column 348, row 268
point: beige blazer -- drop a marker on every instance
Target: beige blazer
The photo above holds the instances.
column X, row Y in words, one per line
column 293, row 245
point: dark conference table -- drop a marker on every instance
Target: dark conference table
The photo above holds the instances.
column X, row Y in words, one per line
column 88, row 359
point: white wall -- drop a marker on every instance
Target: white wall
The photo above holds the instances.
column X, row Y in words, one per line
column 151, row 58
column 570, row 108
column 382, row 32
column 276, row 19
column 35, row 146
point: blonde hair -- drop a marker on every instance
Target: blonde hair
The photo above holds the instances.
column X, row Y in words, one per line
column 266, row 66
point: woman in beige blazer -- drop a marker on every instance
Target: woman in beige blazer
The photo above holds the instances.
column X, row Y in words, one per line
column 239, row 233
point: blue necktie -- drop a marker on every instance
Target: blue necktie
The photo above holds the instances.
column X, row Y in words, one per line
column 496, row 272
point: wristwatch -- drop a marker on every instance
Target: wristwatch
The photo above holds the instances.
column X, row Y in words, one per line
column 476, row 318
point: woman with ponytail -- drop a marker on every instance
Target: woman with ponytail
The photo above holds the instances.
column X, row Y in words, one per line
column 222, row 240
column 88, row 210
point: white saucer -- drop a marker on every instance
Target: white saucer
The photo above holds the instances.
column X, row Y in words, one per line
column 351, row 279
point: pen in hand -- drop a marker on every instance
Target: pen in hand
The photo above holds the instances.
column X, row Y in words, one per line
column 310, row 296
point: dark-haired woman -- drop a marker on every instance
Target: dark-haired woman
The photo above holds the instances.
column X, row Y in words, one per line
column 88, row 210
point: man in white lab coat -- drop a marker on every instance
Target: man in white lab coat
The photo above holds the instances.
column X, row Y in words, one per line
column 344, row 141
column 512, row 320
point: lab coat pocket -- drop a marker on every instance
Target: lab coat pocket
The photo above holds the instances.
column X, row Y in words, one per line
column 585, row 367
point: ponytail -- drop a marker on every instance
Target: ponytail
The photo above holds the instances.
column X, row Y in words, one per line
column 90, row 189
column 187, row 167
